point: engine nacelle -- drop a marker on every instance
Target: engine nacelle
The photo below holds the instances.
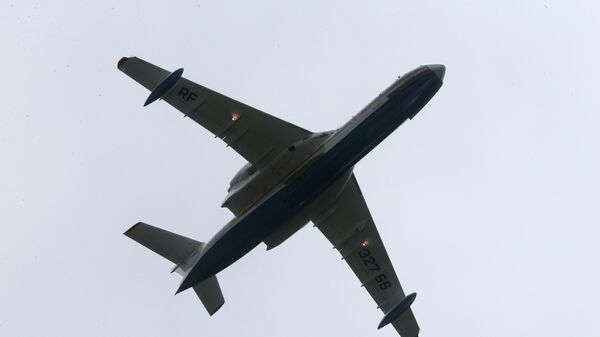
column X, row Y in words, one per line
column 239, row 194
column 241, row 177
column 251, row 182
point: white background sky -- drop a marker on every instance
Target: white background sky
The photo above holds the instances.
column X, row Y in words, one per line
column 488, row 201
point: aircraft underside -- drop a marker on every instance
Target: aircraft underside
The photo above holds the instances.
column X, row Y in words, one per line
column 293, row 177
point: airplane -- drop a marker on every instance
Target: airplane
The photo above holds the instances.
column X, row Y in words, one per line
column 293, row 176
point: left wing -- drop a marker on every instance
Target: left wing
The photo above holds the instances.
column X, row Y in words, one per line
column 348, row 225
column 255, row 135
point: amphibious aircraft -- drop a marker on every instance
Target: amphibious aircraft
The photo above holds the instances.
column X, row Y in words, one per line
column 293, row 176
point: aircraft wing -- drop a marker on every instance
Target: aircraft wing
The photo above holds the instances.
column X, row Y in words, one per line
column 350, row 228
column 255, row 135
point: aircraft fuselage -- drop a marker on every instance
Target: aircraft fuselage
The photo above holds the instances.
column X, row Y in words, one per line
column 327, row 165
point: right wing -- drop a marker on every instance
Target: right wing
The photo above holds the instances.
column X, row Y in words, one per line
column 255, row 135
column 348, row 225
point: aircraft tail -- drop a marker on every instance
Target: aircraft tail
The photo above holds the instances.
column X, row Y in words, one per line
column 182, row 251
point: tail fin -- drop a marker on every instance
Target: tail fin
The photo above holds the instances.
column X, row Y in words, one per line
column 182, row 251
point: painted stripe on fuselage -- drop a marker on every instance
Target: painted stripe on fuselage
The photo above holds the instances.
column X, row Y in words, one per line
column 230, row 245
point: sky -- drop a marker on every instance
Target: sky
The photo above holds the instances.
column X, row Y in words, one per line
column 488, row 201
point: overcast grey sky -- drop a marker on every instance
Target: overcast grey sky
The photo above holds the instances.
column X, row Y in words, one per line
column 488, row 201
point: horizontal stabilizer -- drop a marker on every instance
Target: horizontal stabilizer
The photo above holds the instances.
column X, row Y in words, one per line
column 184, row 252
column 210, row 294
column 171, row 246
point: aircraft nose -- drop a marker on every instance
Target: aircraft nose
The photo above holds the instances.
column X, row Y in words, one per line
column 438, row 69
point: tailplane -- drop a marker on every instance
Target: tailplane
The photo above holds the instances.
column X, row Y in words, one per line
column 182, row 251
